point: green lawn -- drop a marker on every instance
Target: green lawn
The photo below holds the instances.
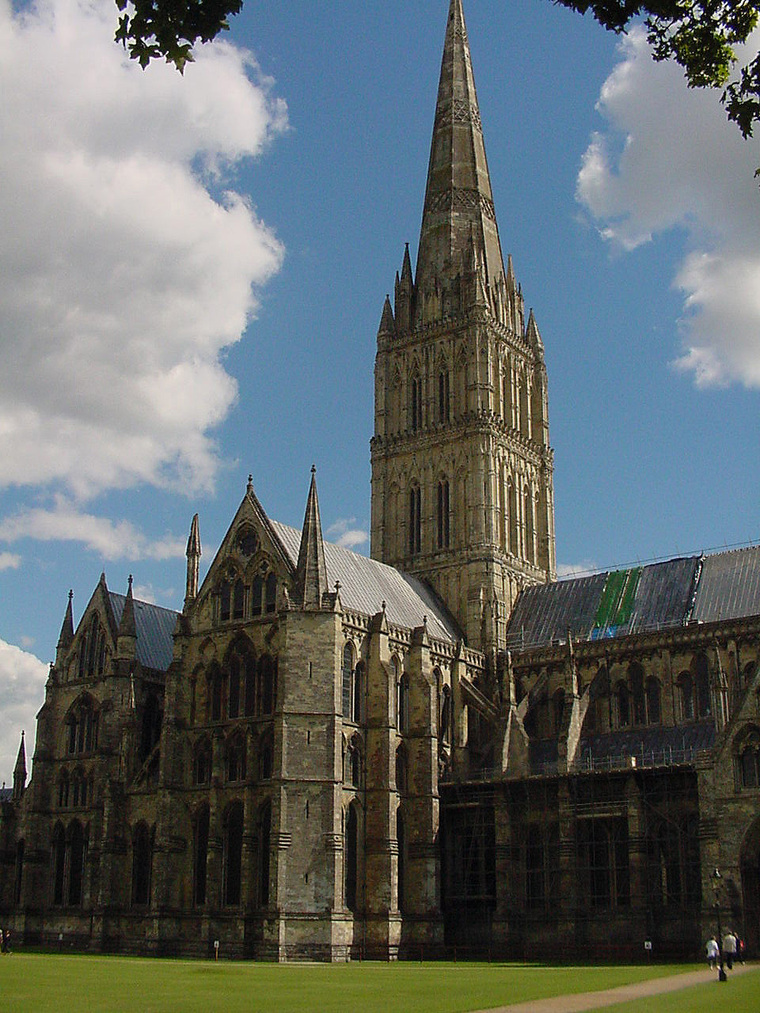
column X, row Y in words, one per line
column 40, row 983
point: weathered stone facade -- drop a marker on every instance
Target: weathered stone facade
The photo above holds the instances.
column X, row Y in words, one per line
column 326, row 756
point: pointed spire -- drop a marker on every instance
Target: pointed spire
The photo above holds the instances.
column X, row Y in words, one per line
column 406, row 267
column 127, row 625
column 19, row 771
column 193, row 554
column 67, row 628
column 458, row 197
column 311, row 572
column 387, row 324
column 532, row 333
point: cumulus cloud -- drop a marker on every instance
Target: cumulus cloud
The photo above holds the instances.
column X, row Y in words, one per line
column 669, row 158
column 111, row 540
column 129, row 264
column 342, row 533
column 22, row 690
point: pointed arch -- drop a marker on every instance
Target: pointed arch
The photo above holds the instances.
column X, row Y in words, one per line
column 200, row 854
column 232, row 853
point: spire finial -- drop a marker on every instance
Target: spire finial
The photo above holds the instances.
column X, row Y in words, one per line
column 249, row 487
column 311, row 572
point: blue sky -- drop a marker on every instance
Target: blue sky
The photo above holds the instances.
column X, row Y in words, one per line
column 194, row 271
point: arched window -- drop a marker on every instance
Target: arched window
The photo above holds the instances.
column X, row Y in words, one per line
column 150, row 731
column 358, row 692
column 238, row 600
column 347, row 679
column 217, row 693
column 232, row 853
column 142, row 862
column 513, row 542
column 202, row 762
column 402, row 703
column 265, row 759
column 443, row 526
column 233, row 697
column 264, row 834
column 270, row 589
column 415, row 403
column 702, row 682
column 235, row 760
column 58, row 860
column 749, row 760
column 654, row 710
column 402, row 845
column 445, row 726
column 530, row 527
column 686, row 692
column 250, row 685
column 355, row 762
column 352, row 858
column 623, row 705
column 82, row 727
column 257, row 592
column 267, row 676
column 415, row 521
column 225, row 600
column 200, row 855
column 63, row 790
column 444, row 395
column 402, row 780
column 636, row 680
column 77, row 854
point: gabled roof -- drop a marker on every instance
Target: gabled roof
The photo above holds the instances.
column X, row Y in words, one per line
column 620, row 602
column 365, row 584
column 155, row 626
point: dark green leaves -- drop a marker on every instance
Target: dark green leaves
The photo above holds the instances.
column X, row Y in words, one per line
column 168, row 29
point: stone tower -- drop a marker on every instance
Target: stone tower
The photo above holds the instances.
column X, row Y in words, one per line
column 462, row 489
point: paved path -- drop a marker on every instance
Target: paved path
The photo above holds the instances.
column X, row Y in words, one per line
column 624, row 993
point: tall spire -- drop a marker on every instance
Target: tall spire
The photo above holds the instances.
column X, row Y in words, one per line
column 311, row 572
column 19, row 771
column 458, row 198
column 193, row 554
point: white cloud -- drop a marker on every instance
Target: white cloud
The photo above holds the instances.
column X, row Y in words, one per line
column 669, row 158
column 111, row 540
column 124, row 279
column 22, row 690
column 9, row 561
column 348, row 537
column 576, row 569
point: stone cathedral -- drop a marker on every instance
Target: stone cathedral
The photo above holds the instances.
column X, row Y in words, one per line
column 328, row 756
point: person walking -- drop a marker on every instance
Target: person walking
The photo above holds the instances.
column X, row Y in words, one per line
column 729, row 948
column 712, row 953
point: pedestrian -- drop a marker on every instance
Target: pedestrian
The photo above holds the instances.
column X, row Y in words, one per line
column 712, row 953
column 2, row 941
column 729, row 948
column 740, row 949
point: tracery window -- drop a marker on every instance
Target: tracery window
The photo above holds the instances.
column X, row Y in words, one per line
column 58, row 862
column 264, row 833
column 702, row 682
column 354, row 763
column 636, row 679
column 446, row 722
column 402, row 858
column 76, row 842
column 654, row 710
column 623, row 705
column 347, row 678
column 257, row 591
column 402, row 777
column 63, row 790
column 92, row 649
column 270, row 592
column 238, row 600
column 602, row 855
column 352, row 858
column 82, row 727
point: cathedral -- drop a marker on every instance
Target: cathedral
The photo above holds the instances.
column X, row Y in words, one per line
column 441, row 749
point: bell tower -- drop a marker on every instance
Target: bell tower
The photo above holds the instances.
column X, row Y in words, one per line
column 462, row 471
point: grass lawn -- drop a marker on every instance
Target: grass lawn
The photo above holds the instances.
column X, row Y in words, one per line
column 53, row 983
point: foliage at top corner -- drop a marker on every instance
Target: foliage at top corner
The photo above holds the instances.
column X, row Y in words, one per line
column 168, row 29
column 701, row 36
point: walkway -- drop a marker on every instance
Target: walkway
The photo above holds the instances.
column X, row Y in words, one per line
column 624, row 993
